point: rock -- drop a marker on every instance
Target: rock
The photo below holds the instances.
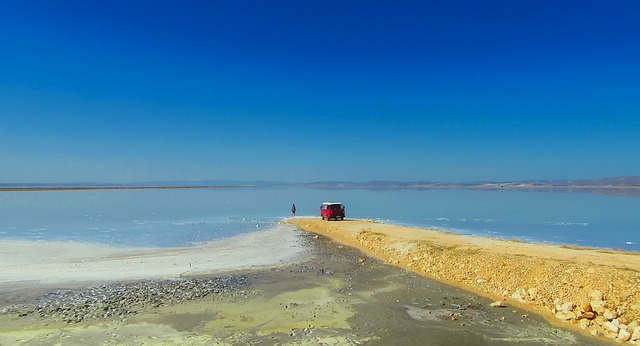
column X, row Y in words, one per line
column 589, row 315
column 612, row 327
column 634, row 324
column 533, row 293
column 598, row 306
column 596, row 295
column 520, row 295
column 584, row 324
column 565, row 315
column 566, row 307
column 623, row 319
column 595, row 332
column 498, row 304
column 610, row 314
column 624, row 335
column 636, row 334
column 74, row 306
column 585, row 306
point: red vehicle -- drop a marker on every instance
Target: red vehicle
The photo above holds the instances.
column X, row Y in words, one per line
column 332, row 210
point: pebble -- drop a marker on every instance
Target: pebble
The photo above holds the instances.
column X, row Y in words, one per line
column 613, row 327
column 565, row 315
column 498, row 304
column 119, row 300
column 596, row 295
column 624, row 335
column 610, row 314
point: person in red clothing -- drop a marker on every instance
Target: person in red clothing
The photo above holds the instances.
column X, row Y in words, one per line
column 293, row 209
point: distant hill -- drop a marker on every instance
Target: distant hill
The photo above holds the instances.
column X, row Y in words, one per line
column 619, row 181
column 203, row 183
column 603, row 182
column 616, row 186
column 628, row 186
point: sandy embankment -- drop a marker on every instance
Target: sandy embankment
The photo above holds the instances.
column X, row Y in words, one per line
column 595, row 290
column 27, row 263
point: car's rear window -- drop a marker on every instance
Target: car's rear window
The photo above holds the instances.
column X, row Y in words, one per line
column 335, row 206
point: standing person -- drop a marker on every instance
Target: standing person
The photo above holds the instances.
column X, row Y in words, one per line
column 293, row 209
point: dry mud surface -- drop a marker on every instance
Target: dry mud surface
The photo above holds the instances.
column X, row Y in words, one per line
column 339, row 296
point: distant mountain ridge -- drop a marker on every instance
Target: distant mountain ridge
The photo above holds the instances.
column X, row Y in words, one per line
column 631, row 181
column 629, row 185
column 204, row 183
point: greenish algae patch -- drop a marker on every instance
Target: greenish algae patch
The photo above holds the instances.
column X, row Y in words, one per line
column 309, row 308
column 113, row 332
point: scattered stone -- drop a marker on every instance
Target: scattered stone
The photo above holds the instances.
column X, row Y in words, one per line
column 610, row 314
column 520, row 295
column 598, row 306
column 498, row 304
column 596, row 295
column 566, row 307
column 636, row 334
column 119, row 300
column 611, row 326
column 533, row 292
column 624, row 335
column 584, row 324
column 585, row 306
column 589, row 315
column 565, row 315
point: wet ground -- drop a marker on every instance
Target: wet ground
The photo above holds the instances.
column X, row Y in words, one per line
column 338, row 297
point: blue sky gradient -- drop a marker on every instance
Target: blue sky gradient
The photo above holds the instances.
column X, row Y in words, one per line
column 300, row 91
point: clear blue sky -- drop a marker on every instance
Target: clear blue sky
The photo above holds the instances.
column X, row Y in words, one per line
column 126, row 91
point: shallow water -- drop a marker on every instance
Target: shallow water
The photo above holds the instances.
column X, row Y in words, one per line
column 184, row 216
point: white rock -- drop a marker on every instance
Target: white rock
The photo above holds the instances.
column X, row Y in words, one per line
column 520, row 295
column 596, row 295
column 498, row 304
column 565, row 315
column 533, row 293
column 624, row 335
column 636, row 334
column 612, row 327
column 584, row 323
column 610, row 314
column 567, row 306
column 598, row 306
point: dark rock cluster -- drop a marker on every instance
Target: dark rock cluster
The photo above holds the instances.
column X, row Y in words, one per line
column 121, row 299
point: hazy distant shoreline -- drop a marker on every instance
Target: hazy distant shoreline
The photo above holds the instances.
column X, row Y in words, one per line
column 82, row 188
column 627, row 186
